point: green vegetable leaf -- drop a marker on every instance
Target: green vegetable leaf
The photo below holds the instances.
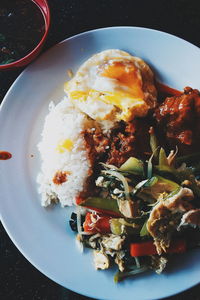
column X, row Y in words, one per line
column 144, row 231
column 145, row 184
column 149, row 168
column 133, row 165
column 101, row 203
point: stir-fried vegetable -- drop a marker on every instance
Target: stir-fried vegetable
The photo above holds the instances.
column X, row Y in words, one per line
column 133, row 165
column 121, row 226
column 139, row 210
column 148, row 248
column 103, row 205
column 96, row 223
column 155, row 187
column 154, row 143
column 144, row 231
column 122, row 179
column 163, row 162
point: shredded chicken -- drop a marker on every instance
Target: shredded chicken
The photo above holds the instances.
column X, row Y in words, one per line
column 192, row 217
column 165, row 217
column 129, row 209
column 101, row 260
column 158, row 263
column 112, row 241
column 119, row 260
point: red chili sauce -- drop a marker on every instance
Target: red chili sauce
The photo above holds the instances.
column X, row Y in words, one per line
column 166, row 91
column 4, row 155
column 22, row 26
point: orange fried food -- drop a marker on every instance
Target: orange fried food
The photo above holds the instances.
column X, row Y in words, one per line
column 178, row 120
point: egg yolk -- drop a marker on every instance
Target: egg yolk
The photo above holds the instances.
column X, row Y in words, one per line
column 64, row 145
column 121, row 88
column 126, row 74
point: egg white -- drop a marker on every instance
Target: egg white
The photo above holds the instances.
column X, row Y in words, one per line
column 105, row 97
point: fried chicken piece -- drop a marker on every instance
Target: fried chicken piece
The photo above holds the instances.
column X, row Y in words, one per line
column 178, row 120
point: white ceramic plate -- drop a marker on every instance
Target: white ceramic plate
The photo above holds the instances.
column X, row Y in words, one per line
column 43, row 235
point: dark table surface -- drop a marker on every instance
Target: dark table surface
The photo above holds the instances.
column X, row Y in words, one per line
column 18, row 278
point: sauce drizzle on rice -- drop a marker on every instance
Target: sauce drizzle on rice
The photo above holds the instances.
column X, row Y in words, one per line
column 60, row 177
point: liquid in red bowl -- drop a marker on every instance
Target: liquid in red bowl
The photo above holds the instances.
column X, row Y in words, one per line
column 24, row 26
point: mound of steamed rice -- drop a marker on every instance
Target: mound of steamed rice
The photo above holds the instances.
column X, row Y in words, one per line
column 65, row 165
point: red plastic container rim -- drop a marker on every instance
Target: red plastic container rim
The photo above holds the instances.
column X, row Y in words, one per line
column 44, row 7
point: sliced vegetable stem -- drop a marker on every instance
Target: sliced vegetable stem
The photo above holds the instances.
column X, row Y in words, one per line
column 154, row 143
column 108, row 205
column 148, row 248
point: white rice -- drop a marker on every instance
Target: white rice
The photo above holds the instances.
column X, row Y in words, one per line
column 62, row 123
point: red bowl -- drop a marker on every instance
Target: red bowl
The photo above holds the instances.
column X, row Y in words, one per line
column 43, row 5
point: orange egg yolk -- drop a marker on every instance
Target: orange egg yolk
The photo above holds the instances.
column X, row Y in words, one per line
column 126, row 74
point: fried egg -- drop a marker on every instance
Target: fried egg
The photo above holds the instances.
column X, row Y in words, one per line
column 113, row 85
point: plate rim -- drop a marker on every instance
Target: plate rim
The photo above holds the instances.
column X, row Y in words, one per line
column 4, row 101
column 90, row 31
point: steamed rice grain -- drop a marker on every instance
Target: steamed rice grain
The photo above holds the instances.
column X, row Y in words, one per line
column 63, row 152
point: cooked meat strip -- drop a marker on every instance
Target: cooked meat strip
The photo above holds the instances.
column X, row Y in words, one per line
column 178, row 120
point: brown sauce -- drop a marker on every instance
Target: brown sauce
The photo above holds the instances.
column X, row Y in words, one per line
column 166, row 91
column 60, row 177
column 4, row 155
column 22, row 26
